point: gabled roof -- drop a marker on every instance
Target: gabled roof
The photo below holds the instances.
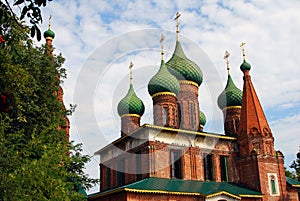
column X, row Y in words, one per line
column 292, row 182
column 184, row 187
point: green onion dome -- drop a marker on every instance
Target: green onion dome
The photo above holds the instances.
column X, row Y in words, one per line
column 183, row 68
column 131, row 104
column 245, row 66
column 202, row 118
column 231, row 96
column 49, row 34
column 163, row 81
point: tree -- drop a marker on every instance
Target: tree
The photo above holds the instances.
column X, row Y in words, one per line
column 296, row 166
column 29, row 9
column 289, row 173
column 36, row 160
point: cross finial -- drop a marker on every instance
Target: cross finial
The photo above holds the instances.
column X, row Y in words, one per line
column 49, row 24
column 226, row 57
column 243, row 50
column 162, row 38
column 130, row 68
column 177, row 24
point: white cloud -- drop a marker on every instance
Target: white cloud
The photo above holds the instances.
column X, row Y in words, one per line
column 269, row 28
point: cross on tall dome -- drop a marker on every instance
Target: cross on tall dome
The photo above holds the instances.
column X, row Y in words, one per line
column 49, row 24
column 177, row 24
column 162, row 38
column 226, row 57
column 243, row 50
column 130, row 68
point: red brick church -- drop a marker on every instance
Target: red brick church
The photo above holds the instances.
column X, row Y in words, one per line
column 174, row 159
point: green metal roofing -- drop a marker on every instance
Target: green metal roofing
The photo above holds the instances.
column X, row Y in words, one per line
column 187, row 187
column 292, row 182
column 163, row 81
column 202, row 118
column 182, row 67
column 131, row 104
column 245, row 66
column 49, row 33
column 231, row 96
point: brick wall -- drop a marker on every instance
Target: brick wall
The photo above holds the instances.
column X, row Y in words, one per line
column 188, row 95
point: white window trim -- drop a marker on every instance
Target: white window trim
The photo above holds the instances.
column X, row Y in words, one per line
column 274, row 175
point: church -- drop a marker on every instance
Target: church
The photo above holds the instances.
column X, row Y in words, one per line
column 174, row 159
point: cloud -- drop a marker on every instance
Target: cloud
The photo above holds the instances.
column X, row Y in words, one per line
column 270, row 30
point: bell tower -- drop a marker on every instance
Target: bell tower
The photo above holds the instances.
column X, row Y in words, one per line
column 49, row 36
column 260, row 166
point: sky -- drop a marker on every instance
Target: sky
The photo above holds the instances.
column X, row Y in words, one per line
column 99, row 38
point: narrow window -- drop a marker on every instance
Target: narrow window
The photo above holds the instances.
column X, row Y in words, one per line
column 138, row 165
column 108, row 177
column 273, row 186
column 224, row 168
column 179, row 115
column 175, row 164
column 166, row 116
column 120, row 173
column 208, row 167
column 192, row 115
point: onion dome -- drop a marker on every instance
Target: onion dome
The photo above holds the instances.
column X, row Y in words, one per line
column 202, row 118
column 49, row 34
column 231, row 96
column 182, row 67
column 131, row 104
column 163, row 81
column 245, row 66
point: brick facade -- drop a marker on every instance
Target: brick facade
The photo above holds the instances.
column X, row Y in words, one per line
column 162, row 104
column 129, row 123
column 231, row 117
column 189, row 106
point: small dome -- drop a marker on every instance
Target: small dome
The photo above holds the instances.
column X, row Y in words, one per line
column 231, row 96
column 202, row 118
column 131, row 104
column 183, row 68
column 163, row 81
column 245, row 66
column 49, row 33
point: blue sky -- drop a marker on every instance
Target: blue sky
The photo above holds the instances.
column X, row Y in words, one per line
column 100, row 38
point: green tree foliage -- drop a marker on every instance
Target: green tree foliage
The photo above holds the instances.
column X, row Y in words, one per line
column 289, row 173
column 29, row 10
column 296, row 166
column 36, row 160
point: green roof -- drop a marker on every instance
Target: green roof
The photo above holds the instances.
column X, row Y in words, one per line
column 49, row 33
column 184, row 187
column 245, row 66
column 231, row 96
column 202, row 118
column 131, row 104
column 182, row 67
column 292, row 182
column 163, row 81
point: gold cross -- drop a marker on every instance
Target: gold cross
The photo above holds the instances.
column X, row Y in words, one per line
column 226, row 57
column 177, row 21
column 130, row 68
column 162, row 38
column 243, row 49
column 49, row 21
